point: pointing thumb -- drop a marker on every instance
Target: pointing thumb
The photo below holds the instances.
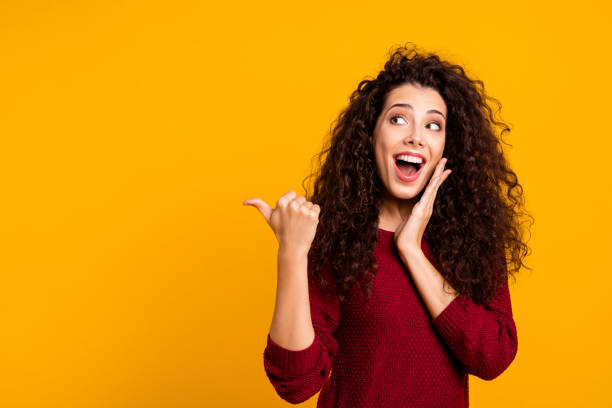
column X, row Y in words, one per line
column 261, row 205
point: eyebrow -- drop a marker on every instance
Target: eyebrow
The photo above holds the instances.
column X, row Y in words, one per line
column 407, row 105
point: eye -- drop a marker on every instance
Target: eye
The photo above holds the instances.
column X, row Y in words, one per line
column 437, row 124
column 395, row 116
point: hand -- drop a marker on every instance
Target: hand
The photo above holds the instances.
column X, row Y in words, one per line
column 294, row 220
column 409, row 233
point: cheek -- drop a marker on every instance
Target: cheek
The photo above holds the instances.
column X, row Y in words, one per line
column 429, row 173
column 442, row 145
column 378, row 161
column 439, row 152
column 380, row 154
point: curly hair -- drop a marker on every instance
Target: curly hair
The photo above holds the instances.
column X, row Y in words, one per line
column 477, row 220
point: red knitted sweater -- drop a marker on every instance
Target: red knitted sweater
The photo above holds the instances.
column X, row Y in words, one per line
column 387, row 351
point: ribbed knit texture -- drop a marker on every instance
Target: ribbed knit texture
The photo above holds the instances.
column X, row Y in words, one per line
column 387, row 351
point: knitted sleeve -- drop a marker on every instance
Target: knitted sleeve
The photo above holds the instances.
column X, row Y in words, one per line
column 297, row 375
column 483, row 338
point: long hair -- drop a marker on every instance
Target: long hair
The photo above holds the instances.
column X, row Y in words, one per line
column 475, row 231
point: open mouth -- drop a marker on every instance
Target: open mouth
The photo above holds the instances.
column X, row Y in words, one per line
column 408, row 165
column 408, row 168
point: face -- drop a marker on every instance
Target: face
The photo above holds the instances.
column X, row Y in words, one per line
column 412, row 122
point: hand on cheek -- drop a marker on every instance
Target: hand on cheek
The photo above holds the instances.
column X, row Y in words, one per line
column 409, row 234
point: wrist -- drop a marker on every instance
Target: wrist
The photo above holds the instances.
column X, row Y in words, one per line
column 410, row 252
column 292, row 252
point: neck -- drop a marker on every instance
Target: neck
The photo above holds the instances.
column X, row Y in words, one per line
column 393, row 211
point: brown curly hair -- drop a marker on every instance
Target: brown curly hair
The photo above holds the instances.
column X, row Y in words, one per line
column 476, row 224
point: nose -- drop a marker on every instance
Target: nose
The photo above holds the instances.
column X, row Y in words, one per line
column 414, row 137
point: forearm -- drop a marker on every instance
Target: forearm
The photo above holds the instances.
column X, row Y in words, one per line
column 429, row 282
column 291, row 325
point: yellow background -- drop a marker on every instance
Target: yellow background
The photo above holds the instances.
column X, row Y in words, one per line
column 133, row 276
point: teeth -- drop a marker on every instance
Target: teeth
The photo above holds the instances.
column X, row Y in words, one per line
column 410, row 159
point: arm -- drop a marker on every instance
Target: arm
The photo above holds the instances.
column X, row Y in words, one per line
column 300, row 346
column 291, row 325
column 428, row 281
column 483, row 338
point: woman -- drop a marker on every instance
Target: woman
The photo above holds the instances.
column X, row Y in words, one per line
column 396, row 280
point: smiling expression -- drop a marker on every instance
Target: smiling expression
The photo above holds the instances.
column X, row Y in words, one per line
column 413, row 121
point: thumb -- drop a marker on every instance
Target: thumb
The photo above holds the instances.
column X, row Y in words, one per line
column 261, row 205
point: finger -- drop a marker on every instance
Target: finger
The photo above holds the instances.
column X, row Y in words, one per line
column 442, row 177
column 286, row 198
column 435, row 176
column 440, row 167
column 438, row 175
column 445, row 175
column 439, row 180
column 298, row 201
column 317, row 209
column 309, row 208
column 430, row 193
column 431, row 187
column 261, row 205
column 289, row 195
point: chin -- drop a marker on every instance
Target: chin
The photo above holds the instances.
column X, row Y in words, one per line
column 406, row 193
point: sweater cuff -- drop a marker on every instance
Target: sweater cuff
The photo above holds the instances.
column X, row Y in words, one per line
column 451, row 320
column 293, row 361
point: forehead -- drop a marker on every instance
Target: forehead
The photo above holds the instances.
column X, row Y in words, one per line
column 417, row 96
